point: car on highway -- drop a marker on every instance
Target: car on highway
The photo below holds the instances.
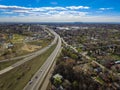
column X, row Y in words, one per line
column 30, row 82
column 36, row 77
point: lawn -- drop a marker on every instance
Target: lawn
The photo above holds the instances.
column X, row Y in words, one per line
column 17, row 78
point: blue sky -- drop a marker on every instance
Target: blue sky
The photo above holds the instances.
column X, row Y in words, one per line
column 59, row 11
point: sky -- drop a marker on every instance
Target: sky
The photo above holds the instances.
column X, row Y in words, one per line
column 59, row 10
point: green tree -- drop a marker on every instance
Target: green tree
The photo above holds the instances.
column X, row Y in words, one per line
column 57, row 81
column 75, row 85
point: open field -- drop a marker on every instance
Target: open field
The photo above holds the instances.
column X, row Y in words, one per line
column 6, row 64
column 30, row 48
column 23, row 49
column 40, row 42
column 17, row 38
column 17, row 78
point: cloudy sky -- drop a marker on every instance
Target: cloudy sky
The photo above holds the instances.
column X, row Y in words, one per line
column 59, row 10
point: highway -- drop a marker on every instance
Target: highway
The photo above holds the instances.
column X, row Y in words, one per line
column 33, row 55
column 39, row 76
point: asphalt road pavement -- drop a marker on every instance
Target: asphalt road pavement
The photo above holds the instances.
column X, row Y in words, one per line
column 39, row 76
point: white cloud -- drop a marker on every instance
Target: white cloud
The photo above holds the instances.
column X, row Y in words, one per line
column 8, row 12
column 60, row 18
column 52, row 14
column 13, row 7
column 42, row 8
column 4, row 7
column 105, row 9
column 53, row 8
column 78, row 7
column 74, row 13
column 21, row 11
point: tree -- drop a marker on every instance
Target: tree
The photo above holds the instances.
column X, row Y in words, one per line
column 57, row 81
column 75, row 85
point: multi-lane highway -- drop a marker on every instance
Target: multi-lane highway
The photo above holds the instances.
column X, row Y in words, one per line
column 33, row 55
column 38, row 78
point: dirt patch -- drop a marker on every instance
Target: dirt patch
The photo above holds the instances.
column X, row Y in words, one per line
column 30, row 48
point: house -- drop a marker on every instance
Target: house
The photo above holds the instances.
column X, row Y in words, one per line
column 66, row 57
column 117, row 62
column 98, row 69
column 9, row 45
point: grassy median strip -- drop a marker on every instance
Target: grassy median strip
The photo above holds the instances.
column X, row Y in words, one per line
column 17, row 78
column 3, row 65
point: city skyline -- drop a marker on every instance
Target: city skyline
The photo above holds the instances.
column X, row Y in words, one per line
column 59, row 11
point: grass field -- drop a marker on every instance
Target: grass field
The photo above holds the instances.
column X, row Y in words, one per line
column 17, row 38
column 43, row 43
column 6, row 64
column 17, row 78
